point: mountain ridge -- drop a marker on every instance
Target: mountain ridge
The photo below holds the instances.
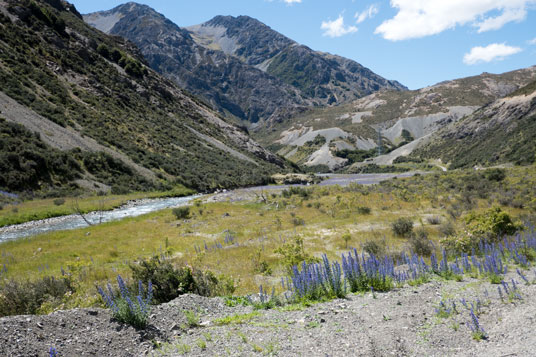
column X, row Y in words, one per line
column 400, row 116
column 228, row 65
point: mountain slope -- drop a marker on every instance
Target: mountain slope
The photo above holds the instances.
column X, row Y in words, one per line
column 402, row 117
column 321, row 76
column 503, row 131
column 95, row 94
column 241, row 66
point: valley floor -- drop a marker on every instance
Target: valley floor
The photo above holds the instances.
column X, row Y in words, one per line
column 403, row 322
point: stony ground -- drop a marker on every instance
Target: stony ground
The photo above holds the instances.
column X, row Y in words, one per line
column 402, row 322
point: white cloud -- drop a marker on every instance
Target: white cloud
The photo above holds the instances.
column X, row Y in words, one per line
column 369, row 13
column 292, row 1
column 420, row 18
column 533, row 41
column 495, row 23
column 336, row 28
column 495, row 51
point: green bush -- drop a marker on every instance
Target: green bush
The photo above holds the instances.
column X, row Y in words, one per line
column 447, row 229
column 402, row 227
column 59, row 201
column 168, row 282
column 209, row 284
column 489, row 226
column 26, row 298
column 495, row 174
column 492, row 224
column 420, row 244
column 375, row 247
column 293, row 253
column 363, row 210
column 182, row 212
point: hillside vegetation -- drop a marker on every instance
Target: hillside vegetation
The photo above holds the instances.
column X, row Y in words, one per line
column 502, row 132
column 99, row 87
column 402, row 119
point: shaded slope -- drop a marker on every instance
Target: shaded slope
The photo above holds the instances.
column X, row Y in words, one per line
column 224, row 81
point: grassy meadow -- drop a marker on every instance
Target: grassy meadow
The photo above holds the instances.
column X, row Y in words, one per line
column 247, row 240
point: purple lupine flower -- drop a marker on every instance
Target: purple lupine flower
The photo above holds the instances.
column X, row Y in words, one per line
column 522, row 276
column 122, row 287
column 505, row 286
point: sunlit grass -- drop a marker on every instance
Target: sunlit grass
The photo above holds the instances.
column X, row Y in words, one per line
column 97, row 253
column 46, row 208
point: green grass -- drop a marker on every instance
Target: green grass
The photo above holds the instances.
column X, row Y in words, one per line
column 45, row 208
column 95, row 254
column 236, row 319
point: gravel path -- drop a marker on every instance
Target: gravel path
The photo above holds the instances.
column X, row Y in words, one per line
column 402, row 322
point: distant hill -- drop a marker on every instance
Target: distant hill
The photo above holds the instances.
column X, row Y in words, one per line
column 240, row 65
column 403, row 119
column 504, row 131
column 108, row 119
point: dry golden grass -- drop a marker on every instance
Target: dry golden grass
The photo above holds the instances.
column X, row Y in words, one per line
column 100, row 252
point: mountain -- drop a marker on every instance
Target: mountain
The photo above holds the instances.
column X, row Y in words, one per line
column 504, row 131
column 239, row 65
column 348, row 134
column 82, row 109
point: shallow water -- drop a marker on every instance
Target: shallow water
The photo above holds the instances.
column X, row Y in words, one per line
column 132, row 209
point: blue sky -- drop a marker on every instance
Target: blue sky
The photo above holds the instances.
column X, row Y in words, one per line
column 417, row 42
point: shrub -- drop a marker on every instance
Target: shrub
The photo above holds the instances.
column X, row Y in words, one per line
column 296, row 190
column 375, row 247
column 127, row 308
column 447, row 229
column 168, row 282
column 346, row 238
column 24, row 298
column 363, row 210
column 182, row 212
column 298, row 221
column 294, row 254
column 402, row 227
column 209, row 284
column 491, row 225
column 495, row 174
column 260, row 265
column 434, row 220
column 59, row 201
column 420, row 244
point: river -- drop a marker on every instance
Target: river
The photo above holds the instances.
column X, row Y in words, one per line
column 139, row 207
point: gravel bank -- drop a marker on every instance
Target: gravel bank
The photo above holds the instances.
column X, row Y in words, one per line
column 402, row 322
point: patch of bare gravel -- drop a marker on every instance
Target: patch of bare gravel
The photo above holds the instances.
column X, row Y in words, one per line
column 402, row 322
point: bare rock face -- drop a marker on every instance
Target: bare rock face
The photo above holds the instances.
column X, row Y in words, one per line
column 239, row 65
